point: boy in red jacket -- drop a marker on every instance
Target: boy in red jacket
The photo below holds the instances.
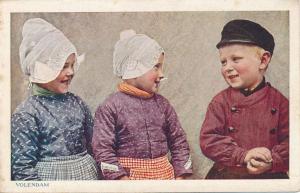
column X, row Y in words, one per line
column 246, row 128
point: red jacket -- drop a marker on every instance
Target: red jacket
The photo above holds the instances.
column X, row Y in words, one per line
column 235, row 123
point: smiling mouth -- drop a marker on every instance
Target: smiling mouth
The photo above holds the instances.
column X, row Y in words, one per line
column 233, row 76
column 68, row 81
column 156, row 83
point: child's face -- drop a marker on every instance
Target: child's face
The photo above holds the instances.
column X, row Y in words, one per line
column 242, row 65
column 149, row 81
column 61, row 83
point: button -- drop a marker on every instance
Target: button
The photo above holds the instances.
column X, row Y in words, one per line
column 231, row 129
column 273, row 111
column 233, row 109
column 273, row 130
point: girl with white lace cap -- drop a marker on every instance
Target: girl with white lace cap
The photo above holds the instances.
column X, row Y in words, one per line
column 52, row 128
column 135, row 128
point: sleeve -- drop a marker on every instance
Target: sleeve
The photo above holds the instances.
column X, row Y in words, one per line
column 178, row 145
column 104, row 144
column 25, row 154
column 280, row 152
column 88, row 126
column 213, row 141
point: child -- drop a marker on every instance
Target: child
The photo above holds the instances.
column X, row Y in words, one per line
column 135, row 128
column 246, row 128
column 52, row 129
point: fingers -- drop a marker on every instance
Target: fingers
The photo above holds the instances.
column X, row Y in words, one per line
column 258, row 167
column 251, row 169
column 255, row 163
column 266, row 152
column 259, row 153
column 262, row 156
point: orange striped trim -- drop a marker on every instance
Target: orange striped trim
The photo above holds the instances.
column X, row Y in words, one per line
column 148, row 169
column 131, row 90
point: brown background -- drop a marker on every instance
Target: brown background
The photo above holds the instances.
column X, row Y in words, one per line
column 192, row 64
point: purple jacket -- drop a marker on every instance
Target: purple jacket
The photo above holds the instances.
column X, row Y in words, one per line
column 129, row 126
column 235, row 124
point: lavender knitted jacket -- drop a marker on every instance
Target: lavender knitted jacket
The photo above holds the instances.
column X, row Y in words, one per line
column 129, row 126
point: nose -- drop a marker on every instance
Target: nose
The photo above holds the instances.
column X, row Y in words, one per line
column 160, row 74
column 70, row 71
column 227, row 68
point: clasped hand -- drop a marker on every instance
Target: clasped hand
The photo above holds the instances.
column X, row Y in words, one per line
column 258, row 160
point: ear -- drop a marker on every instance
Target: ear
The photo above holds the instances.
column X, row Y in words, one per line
column 265, row 60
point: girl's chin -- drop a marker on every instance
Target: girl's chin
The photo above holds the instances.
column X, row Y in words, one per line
column 62, row 91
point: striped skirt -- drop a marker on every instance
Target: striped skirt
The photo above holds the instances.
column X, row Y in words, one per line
column 75, row 167
column 148, row 169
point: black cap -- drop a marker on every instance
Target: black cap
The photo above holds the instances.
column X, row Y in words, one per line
column 245, row 31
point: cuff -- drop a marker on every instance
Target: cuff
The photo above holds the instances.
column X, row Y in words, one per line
column 278, row 164
column 186, row 169
column 111, row 171
column 182, row 171
column 238, row 157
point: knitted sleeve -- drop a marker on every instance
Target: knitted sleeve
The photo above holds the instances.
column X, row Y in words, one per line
column 104, row 143
column 25, row 154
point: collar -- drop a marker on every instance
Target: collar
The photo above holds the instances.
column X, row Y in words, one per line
column 131, row 90
column 39, row 91
column 247, row 92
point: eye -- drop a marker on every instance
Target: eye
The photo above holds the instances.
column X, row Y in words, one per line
column 156, row 67
column 66, row 66
column 223, row 62
column 236, row 59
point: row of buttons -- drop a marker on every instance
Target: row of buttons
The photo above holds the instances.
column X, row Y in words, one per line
column 234, row 110
column 232, row 129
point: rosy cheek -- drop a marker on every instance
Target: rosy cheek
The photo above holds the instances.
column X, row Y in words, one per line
column 153, row 77
column 241, row 70
column 223, row 71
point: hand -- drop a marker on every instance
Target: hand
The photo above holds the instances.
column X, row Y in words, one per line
column 124, row 178
column 258, row 167
column 259, row 153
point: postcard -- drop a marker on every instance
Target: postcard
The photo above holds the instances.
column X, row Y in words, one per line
column 188, row 32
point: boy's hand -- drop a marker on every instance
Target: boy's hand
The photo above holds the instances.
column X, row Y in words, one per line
column 258, row 153
column 258, row 167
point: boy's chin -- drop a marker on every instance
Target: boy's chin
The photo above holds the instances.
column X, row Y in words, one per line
column 237, row 87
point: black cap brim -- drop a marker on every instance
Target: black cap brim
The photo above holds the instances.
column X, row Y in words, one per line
column 236, row 41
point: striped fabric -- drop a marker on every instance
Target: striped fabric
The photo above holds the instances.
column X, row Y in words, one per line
column 75, row 167
column 148, row 169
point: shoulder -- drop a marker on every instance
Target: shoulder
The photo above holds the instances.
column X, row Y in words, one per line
column 113, row 101
column 73, row 97
column 161, row 97
column 275, row 91
column 29, row 105
column 276, row 94
column 115, row 98
column 163, row 103
column 223, row 95
column 27, row 111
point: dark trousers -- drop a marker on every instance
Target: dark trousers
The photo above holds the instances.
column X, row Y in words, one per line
column 223, row 172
